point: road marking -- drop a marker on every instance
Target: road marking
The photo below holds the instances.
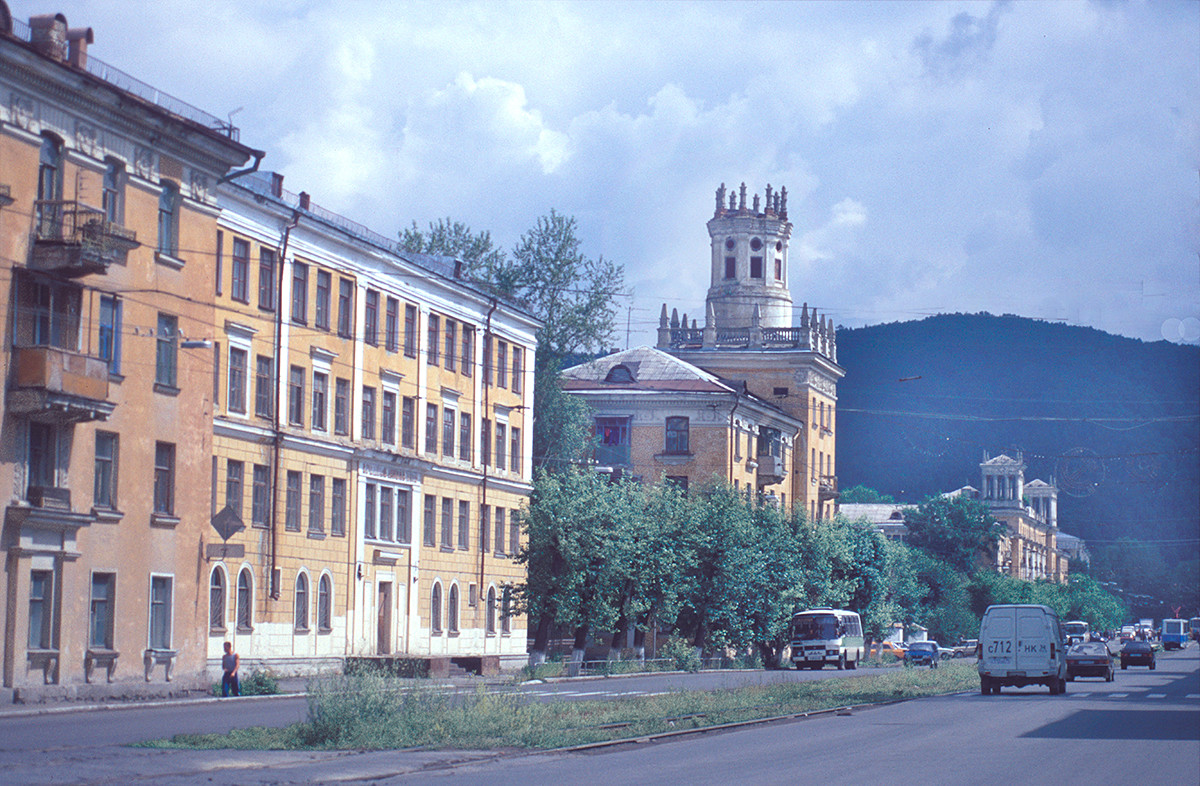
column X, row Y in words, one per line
column 1192, row 696
column 1157, row 696
column 1118, row 695
column 1080, row 695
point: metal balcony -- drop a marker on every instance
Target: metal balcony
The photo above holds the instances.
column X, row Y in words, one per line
column 55, row 385
column 771, row 470
column 828, row 488
column 73, row 239
column 612, row 455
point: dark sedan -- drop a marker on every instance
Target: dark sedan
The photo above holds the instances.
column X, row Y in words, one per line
column 1137, row 653
column 1090, row 659
column 922, row 653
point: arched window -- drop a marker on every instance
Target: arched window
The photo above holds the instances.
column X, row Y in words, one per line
column 302, row 602
column 216, row 600
column 435, row 610
column 452, row 610
column 324, row 605
column 491, row 610
column 245, row 601
column 506, row 610
column 168, row 219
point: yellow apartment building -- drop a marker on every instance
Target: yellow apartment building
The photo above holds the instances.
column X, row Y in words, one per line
column 108, row 221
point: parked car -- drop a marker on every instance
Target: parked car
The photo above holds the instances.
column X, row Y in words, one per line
column 923, row 653
column 967, row 648
column 1137, row 653
column 1090, row 659
column 888, row 648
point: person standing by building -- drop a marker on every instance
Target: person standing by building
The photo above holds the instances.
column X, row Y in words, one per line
column 229, row 664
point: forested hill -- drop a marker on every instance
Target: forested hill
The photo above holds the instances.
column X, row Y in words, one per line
column 1112, row 420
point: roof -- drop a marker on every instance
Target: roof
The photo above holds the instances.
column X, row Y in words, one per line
column 874, row 512
column 1002, row 461
column 649, row 369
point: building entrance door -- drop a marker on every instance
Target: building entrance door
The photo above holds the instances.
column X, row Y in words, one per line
column 384, row 644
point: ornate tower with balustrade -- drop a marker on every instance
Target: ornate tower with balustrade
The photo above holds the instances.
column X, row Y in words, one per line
column 750, row 335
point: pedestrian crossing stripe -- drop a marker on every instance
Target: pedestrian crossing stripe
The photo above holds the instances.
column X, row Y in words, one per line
column 1157, row 696
column 1192, row 696
column 1118, row 695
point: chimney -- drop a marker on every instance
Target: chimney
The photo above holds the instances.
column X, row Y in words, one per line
column 78, row 39
column 305, row 200
column 277, row 185
column 48, row 34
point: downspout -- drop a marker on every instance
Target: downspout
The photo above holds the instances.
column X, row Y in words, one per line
column 487, row 342
column 258, row 157
column 737, row 399
column 277, row 431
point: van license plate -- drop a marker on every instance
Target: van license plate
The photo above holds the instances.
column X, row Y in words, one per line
column 1016, row 674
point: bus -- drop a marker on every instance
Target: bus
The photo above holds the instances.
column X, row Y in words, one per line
column 1194, row 627
column 1174, row 634
column 826, row 636
column 1077, row 631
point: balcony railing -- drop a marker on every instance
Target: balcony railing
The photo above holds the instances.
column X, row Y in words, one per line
column 57, row 385
column 771, row 470
column 828, row 488
column 74, row 239
column 612, row 455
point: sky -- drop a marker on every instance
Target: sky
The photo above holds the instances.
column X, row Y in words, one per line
column 1030, row 158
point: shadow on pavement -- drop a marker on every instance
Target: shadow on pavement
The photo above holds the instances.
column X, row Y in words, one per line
column 1122, row 725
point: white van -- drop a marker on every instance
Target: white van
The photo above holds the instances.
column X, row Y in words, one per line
column 1022, row 644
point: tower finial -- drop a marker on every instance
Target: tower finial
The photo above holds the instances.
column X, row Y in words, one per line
column 742, row 196
column 720, row 200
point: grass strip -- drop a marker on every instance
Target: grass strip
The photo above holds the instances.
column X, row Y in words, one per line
column 369, row 712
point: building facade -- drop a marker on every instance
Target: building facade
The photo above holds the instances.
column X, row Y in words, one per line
column 107, row 229
column 751, row 338
column 372, row 436
column 658, row 417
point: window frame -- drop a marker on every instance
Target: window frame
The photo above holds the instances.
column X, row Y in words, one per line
column 677, row 436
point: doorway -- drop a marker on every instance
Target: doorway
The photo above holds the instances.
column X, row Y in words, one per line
column 384, row 644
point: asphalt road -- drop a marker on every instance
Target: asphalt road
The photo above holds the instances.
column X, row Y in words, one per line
column 1145, row 722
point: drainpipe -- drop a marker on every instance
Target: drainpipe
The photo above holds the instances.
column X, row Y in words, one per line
column 258, row 157
column 737, row 399
column 277, row 431
column 487, row 340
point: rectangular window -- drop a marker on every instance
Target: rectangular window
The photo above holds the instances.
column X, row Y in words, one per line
column 468, row 350
column 324, row 294
column 730, row 267
column 166, row 350
column 487, row 358
column 266, row 279
column 369, row 513
column 291, row 515
column 500, row 462
column 485, row 526
column 386, row 514
column 112, row 199
column 371, row 318
column 518, row 362
column 448, row 432
column 756, row 267
column 160, row 612
column 264, row 386
column 464, row 524
column 234, row 476
column 168, row 219
column 447, row 522
column 391, row 327
column 104, row 483
column 220, row 261
column 430, row 522
column 432, row 339
column 296, row 396
column 431, row 427
column 514, row 449
column 612, row 436
column 778, row 269
column 677, row 436
column 403, row 522
column 260, row 496
column 341, row 406
column 217, row 378
column 43, row 455
column 109, row 349
column 464, row 436
column 316, row 503
column 299, row 292
column 100, row 615
column 514, row 532
column 485, row 442
column 164, row 478
column 320, row 400
column 345, row 307
column 238, row 361
column 368, row 413
column 410, row 331
column 239, row 265
column 337, row 507
column 41, row 610
column 408, row 423
column 501, row 363
column 499, row 530
column 451, row 343
column 387, row 426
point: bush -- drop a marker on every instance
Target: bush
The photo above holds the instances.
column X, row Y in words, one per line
column 258, row 683
column 682, row 655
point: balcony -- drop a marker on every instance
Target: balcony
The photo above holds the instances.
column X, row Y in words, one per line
column 73, row 239
column 55, row 385
column 771, row 470
column 612, row 455
column 828, row 488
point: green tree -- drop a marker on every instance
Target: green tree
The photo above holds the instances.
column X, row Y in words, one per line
column 447, row 237
column 862, row 494
column 959, row 530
